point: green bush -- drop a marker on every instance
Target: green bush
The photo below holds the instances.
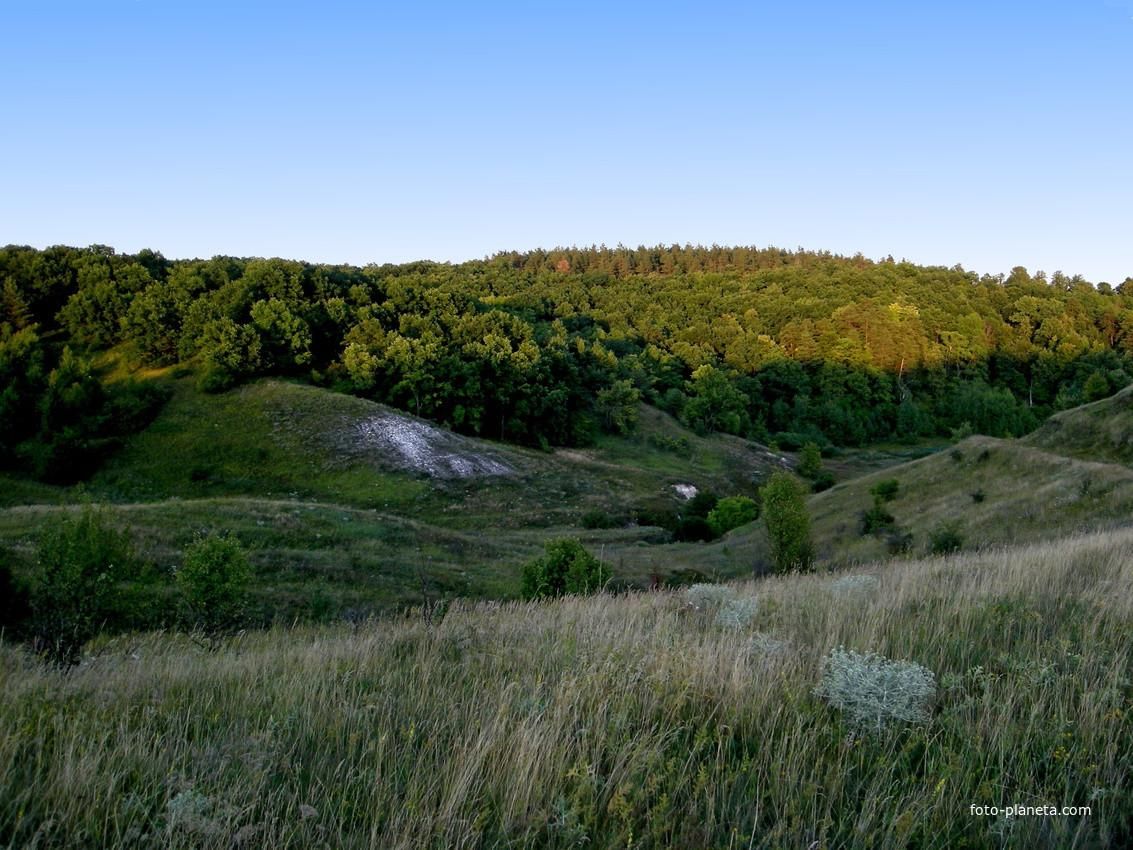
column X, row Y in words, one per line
column 824, row 480
column 788, row 523
column 946, row 538
column 79, row 562
column 732, row 512
column 885, row 491
column 694, row 528
column 598, row 518
column 213, row 581
column 700, row 505
column 810, row 460
column 566, row 567
column 876, row 519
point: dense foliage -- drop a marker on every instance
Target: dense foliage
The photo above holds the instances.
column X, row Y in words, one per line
column 548, row 347
column 788, row 523
column 80, row 562
column 565, row 568
column 213, row 580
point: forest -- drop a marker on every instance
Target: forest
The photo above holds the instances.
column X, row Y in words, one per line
column 547, row 348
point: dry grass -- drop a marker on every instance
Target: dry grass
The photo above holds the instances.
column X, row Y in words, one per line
column 602, row 722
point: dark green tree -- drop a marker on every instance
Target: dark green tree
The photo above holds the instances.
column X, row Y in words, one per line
column 79, row 562
column 788, row 523
column 214, row 579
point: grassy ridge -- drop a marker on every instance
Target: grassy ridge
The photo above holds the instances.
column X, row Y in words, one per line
column 606, row 722
column 1102, row 430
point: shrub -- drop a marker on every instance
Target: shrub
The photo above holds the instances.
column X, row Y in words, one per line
column 810, row 460
column 874, row 691
column 885, row 491
column 898, row 542
column 732, row 512
column 824, row 480
column 788, row 523
column 701, row 505
column 213, row 580
column 737, row 613
column 978, row 496
column 946, row 538
column 566, row 567
column 598, row 518
column 79, row 561
column 727, row 610
column 694, row 528
column 876, row 519
column 705, row 597
column 657, row 517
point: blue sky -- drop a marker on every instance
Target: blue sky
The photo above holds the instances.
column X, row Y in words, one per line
column 990, row 134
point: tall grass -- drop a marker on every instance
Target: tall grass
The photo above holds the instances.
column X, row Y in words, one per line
column 602, row 722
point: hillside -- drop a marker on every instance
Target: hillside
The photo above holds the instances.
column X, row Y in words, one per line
column 348, row 505
column 604, row 722
column 1102, row 430
column 991, row 491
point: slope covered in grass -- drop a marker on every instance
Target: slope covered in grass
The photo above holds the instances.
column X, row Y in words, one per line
column 604, row 722
column 349, row 505
column 1102, row 430
column 273, row 439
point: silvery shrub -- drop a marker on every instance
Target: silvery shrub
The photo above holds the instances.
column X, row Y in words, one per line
column 875, row 691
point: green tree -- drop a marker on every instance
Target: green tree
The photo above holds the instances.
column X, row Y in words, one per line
column 617, row 407
column 788, row 523
column 79, row 562
column 732, row 512
column 1095, row 387
column 715, row 403
column 213, row 580
column 566, row 567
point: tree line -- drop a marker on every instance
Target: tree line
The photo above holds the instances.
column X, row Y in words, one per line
column 551, row 347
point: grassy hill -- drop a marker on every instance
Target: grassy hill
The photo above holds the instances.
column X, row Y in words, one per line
column 347, row 504
column 605, row 722
column 991, row 491
column 1102, row 430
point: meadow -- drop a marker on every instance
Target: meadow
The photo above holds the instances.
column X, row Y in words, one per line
column 609, row 721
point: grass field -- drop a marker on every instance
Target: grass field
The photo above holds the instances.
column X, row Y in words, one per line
column 629, row 721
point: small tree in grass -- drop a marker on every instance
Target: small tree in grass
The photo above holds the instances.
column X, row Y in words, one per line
column 213, row 580
column 79, row 562
column 566, row 567
column 788, row 523
column 810, row 460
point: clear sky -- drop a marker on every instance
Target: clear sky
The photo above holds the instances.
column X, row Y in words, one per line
column 988, row 133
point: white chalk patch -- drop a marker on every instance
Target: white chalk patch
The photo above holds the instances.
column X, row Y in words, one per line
column 420, row 447
column 685, row 491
